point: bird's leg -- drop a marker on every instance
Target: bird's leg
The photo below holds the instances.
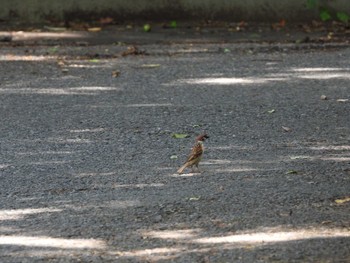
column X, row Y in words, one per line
column 192, row 169
column 198, row 171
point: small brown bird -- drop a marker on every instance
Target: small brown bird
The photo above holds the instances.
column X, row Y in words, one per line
column 196, row 154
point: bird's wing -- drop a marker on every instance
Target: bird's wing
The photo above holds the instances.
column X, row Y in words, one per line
column 196, row 152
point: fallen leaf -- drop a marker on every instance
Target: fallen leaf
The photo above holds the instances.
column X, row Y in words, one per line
column 180, row 135
column 106, row 20
column 94, row 29
column 292, row 172
column 271, row 111
column 147, row 27
column 195, row 198
column 342, row 100
column 173, row 24
column 286, row 129
column 115, row 73
column 342, row 200
column 196, row 126
column 324, row 97
column 94, row 60
column 150, row 65
column 133, row 50
column 173, row 157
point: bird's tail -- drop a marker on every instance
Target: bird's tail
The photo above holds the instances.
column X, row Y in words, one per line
column 182, row 168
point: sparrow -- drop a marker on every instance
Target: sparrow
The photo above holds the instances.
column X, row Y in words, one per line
column 196, row 154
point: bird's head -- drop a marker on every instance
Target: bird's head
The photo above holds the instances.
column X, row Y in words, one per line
column 202, row 137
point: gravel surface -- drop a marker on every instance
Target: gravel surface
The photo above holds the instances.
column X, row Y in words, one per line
column 86, row 172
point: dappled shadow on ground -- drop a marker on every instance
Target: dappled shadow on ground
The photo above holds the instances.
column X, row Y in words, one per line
column 99, row 183
column 240, row 209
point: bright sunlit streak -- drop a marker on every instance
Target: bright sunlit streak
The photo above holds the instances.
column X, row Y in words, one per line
column 17, row 214
column 266, row 237
column 43, row 241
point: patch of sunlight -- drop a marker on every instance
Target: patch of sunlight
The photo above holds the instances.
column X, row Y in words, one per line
column 152, row 252
column 173, row 234
column 325, row 76
column 88, row 130
column 149, row 105
column 184, row 174
column 137, row 185
column 44, row 241
column 316, row 69
column 17, row 214
column 225, row 81
column 273, row 237
column 139, row 105
column 96, row 174
column 236, row 170
column 58, row 91
column 44, row 153
column 95, row 88
column 22, row 35
column 213, row 161
column 331, row 147
column 49, row 162
column 119, row 204
column 336, row 159
column 86, row 65
column 67, row 140
column 13, row 57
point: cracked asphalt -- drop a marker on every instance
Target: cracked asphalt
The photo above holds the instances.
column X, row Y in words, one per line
column 88, row 157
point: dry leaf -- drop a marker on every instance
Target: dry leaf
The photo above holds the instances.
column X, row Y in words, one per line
column 271, row 111
column 180, row 135
column 133, row 50
column 286, row 129
column 106, row 20
column 94, row 29
column 115, row 73
column 150, row 65
column 342, row 200
column 342, row 100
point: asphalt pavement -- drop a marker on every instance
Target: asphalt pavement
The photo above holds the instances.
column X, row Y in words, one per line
column 89, row 156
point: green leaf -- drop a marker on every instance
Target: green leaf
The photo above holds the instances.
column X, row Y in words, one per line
column 342, row 16
column 325, row 15
column 52, row 50
column 180, row 135
column 147, row 28
column 173, row 157
column 271, row 111
column 194, row 198
column 310, row 4
column 94, row 60
column 173, row 24
column 292, row 172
